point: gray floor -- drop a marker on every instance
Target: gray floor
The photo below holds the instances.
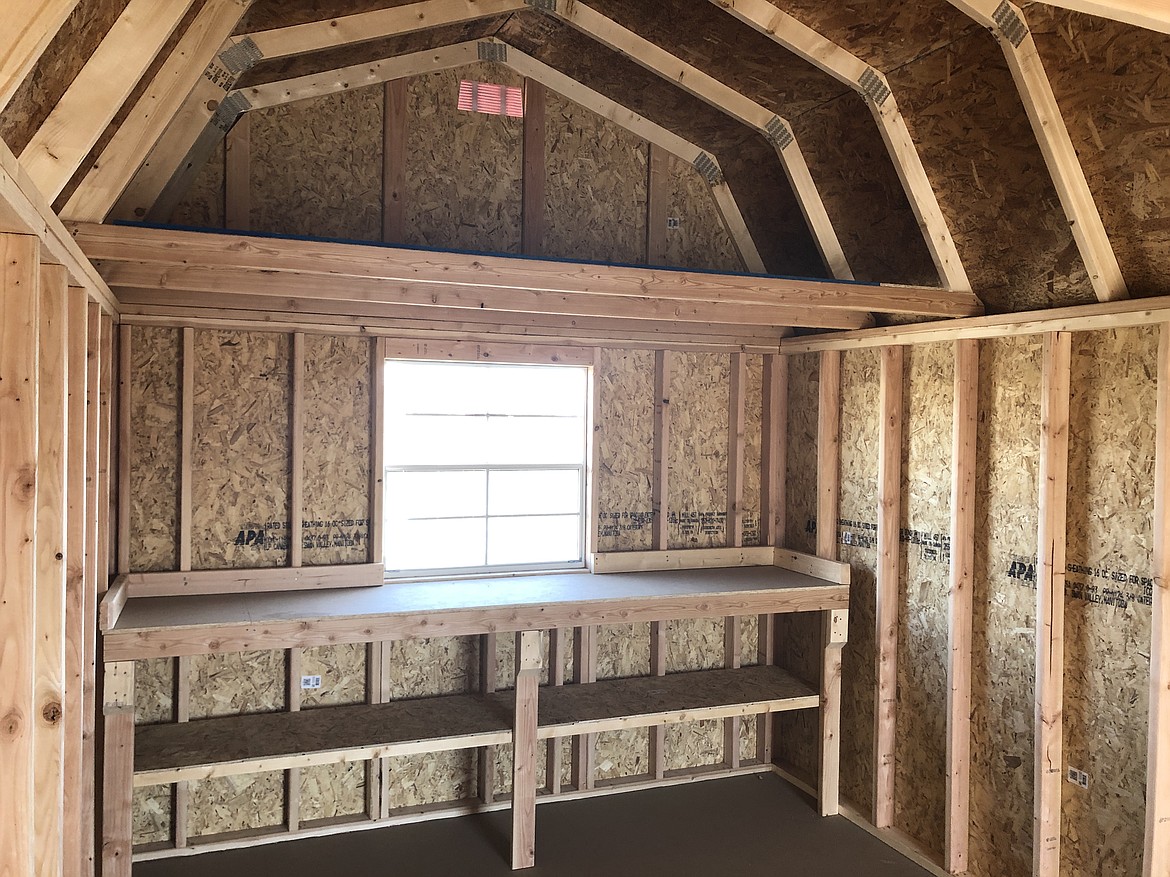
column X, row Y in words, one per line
column 753, row 825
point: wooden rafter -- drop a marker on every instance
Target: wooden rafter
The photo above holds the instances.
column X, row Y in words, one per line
column 29, row 27
column 60, row 145
column 1007, row 22
column 460, row 54
column 1150, row 14
column 114, row 169
column 847, row 68
column 726, row 99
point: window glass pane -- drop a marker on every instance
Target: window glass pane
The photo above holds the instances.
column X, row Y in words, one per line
column 435, row 544
column 435, row 494
column 535, row 440
column 435, row 387
column 540, row 492
column 547, row 390
column 427, row 439
column 543, row 539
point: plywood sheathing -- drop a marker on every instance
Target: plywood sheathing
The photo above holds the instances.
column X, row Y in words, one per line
column 267, row 14
column 154, row 686
column 1107, row 615
column 1003, row 666
column 798, row 635
column 1112, row 82
column 700, row 240
column 625, row 440
column 59, row 64
column 433, row 778
column 337, row 434
column 697, row 498
column 749, row 162
column 463, row 169
column 595, row 192
column 753, row 446
column 924, row 583
column 154, row 449
column 202, row 205
column 312, row 173
column 240, row 463
column 857, row 545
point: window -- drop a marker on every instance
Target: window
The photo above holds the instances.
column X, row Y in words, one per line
column 485, row 467
column 492, row 99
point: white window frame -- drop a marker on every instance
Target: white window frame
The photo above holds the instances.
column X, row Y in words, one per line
column 487, row 571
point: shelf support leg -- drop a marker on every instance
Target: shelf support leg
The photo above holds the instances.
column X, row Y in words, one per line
column 836, row 632
column 524, row 750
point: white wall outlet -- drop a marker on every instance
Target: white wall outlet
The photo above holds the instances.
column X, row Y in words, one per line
column 310, row 682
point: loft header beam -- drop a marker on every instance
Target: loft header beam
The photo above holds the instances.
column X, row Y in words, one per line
column 283, row 258
column 850, row 70
column 724, row 98
column 1007, row 22
column 357, row 76
column 1150, row 14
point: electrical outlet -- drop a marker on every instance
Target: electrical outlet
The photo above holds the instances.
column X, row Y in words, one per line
column 310, row 682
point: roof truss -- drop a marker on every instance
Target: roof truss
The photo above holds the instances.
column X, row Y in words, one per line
column 1150, row 14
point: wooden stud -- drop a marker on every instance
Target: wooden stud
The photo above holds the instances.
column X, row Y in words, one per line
column 732, row 636
column 93, row 432
column 835, row 629
column 186, row 449
column 385, row 679
column 297, row 452
column 292, row 779
column 21, row 46
column 124, row 462
column 378, row 450
column 1050, row 580
column 19, row 281
column 828, row 453
column 118, row 770
column 394, row 106
column 75, row 704
column 486, row 756
column 533, row 177
column 556, row 678
column 886, row 610
column 585, row 670
column 660, row 478
column 374, row 695
column 524, row 749
column 592, row 478
column 182, row 795
column 765, row 656
column 106, row 511
column 1156, row 859
column 735, row 449
column 657, row 193
column 658, row 632
column 237, row 176
column 78, row 119
column 960, row 605
column 774, row 450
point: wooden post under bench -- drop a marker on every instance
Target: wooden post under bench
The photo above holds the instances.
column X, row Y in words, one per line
column 524, row 749
column 118, row 770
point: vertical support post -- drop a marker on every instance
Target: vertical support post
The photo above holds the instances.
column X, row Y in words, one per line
column 93, row 431
column 660, row 488
column 373, row 695
column 378, row 450
column 732, row 632
column 19, row 282
column 1156, row 859
column 592, row 480
column 524, row 749
column 735, row 449
column 556, row 677
column 186, row 447
column 834, row 628
column 658, row 630
column 1054, row 416
column 774, row 449
column 182, row 794
column 533, row 183
column 385, row 678
column 51, row 489
column 105, row 455
column 886, row 591
column 765, row 655
column 584, row 671
column 485, row 775
column 292, row 777
column 296, row 492
column 237, row 177
column 658, row 176
column 961, row 605
column 76, row 704
column 394, row 161
column 124, row 360
column 118, row 769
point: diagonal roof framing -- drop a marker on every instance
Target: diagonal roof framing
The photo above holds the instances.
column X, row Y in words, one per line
column 722, row 97
column 847, row 68
column 29, row 27
column 416, row 63
column 1007, row 22
column 1150, row 14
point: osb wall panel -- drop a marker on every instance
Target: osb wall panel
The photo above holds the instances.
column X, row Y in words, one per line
column 595, row 186
column 1004, row 666
column 151, row 815
column 924, row 571
column 463, row 169
column 240, row 463
column 425, row 667
column 973, row 135
column 857, row 546
column 623, row 650
column 337, row 434
column 1107, row 616
column 697, row 486
column 202, row 205
column 753, row 435
column 59, row 64
column 1112, row 82
column 342, row 669
column 432, row 778
column 154, row 687
column 624, row 381
column 694, row 644
column 701, row 239
column 331, row 790
column 154, row 448
column 798, row 634
column 235, row 803
column 622, row 754
column 316, row 166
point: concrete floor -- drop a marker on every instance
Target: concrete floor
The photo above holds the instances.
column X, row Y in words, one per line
column 744, row 826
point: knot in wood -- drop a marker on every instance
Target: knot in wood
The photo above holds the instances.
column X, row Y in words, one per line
column 51, row 713
column 12, row 724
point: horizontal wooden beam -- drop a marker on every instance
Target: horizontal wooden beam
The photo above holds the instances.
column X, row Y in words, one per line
column 695, row 558
column 1150, row 14
column 1078, row 318
column 188, row 251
